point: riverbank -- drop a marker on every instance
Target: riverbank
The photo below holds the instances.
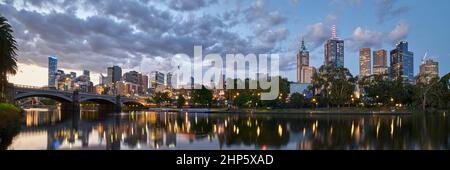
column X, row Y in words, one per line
column 325, row 111
column 9, row 124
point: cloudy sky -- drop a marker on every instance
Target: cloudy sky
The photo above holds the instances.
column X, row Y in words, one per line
column 142, row 35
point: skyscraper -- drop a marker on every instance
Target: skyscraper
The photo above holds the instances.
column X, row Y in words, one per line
column 103, row 80
column 169, row 81
column 114, row 74
column 364, row 62
column 156, row 79
column 144, row 83
column 87, row 74
column 304, row 71
column 132, row 77
column 402, row 62
column 334, row 50
column 380, row 62
column 52, row 69
column 429, row 69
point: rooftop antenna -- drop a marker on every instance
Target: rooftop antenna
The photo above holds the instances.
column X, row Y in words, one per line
column 425, row 57
column 333, row 32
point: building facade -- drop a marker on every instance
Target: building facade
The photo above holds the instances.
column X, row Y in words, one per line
column 429, row 69
column 114, row 74
column 304, row 71
column 402, row 62
column 334, row 50
column 87, row 73
column 169, row 82
column 380, row 66
column 156, row 79
column 52, row 70
column 365, row 62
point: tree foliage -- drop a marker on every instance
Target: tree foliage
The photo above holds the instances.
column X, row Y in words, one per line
column 8, row 64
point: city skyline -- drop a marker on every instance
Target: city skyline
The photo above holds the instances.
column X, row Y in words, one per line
column 282, row 30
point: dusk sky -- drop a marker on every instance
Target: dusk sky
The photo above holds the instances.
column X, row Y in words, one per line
column 142, row 35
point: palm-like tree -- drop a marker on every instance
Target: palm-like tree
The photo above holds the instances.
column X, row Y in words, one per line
column 8, row 47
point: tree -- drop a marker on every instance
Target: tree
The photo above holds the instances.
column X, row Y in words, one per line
column 334, row 85
column 284, row 90
column 159, row 98
column 434, row 93
column 8, row 64
column 180, row 101
column 297, row 100
column 202, row 96
column 376, row 90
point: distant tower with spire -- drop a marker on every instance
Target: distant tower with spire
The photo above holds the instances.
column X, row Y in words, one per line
column 304, row 71
column 334, row 50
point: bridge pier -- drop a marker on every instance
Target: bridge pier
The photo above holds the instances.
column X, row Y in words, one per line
column 118, row 105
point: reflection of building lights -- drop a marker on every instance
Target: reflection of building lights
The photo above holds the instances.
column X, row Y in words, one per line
column 392, row 127
column 304, row 131
column 353, row 129
column 331, row 130
column 258, row 131
column 314, row 128
column 378, row 128
column 237, row 131
column 280, row 130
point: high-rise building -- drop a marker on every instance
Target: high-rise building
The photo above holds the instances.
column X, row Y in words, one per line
column 103, row 80
column 52, row 69
column 73, row 75
column 402, row 62
column 334, row 50
column 156, row 79
column 306, row 74
column 114, row 74
column 304, row 71
column 364, row 62
column 87, row 74
column 380, row 62
column 429, row 69
column 132, row 77
column 144, row 83
column 169, row 82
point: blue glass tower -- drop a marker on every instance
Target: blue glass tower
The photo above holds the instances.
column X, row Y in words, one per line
column 52, row 69
column 402, row 62
column 334, row 50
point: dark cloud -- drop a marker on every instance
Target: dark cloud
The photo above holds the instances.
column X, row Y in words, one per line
column 126, row 32
column 183, row 5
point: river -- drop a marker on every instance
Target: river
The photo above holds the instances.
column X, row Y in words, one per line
column 49, row 129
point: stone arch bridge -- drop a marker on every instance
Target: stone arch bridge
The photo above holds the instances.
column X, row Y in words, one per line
column 72, row 100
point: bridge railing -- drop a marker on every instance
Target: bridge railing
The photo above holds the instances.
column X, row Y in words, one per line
column 69, row 91
column 29, row 87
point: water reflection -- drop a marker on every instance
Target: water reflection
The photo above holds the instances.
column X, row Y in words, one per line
column 89, row 129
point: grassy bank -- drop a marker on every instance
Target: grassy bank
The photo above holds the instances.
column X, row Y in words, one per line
column 9, row 124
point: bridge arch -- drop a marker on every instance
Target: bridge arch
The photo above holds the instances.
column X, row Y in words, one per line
column 132, row 102
column 98, row 100
column 58, row 97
